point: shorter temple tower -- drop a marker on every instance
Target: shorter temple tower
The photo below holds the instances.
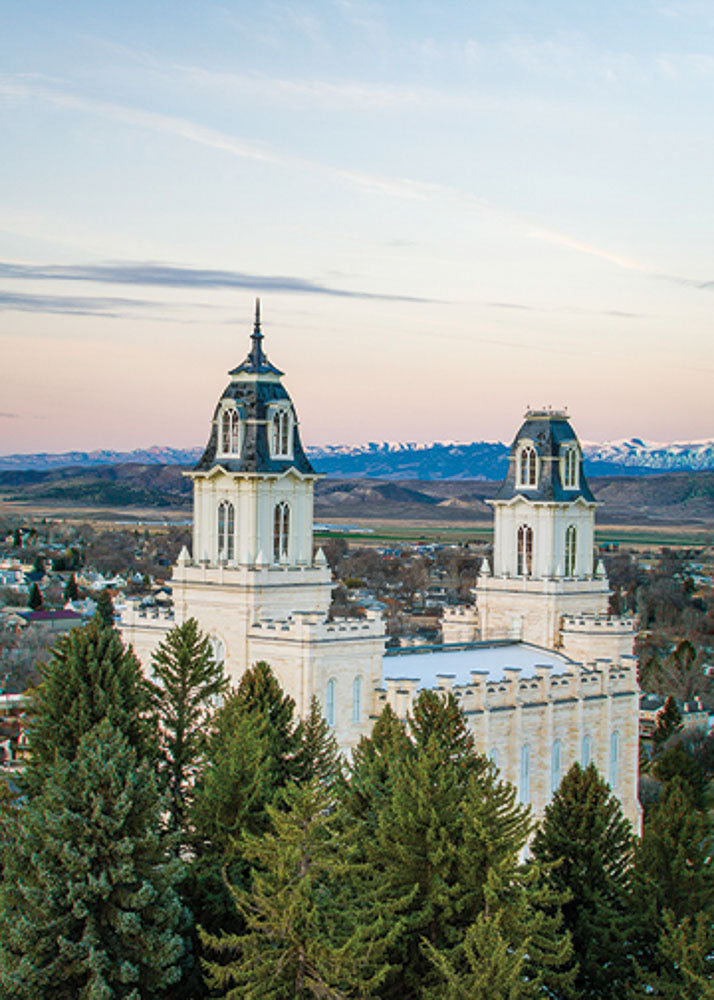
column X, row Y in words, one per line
column 544, row 535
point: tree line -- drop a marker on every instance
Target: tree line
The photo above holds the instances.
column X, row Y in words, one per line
column 173, row 837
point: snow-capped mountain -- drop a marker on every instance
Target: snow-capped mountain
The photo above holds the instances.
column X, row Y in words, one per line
column 410, row 460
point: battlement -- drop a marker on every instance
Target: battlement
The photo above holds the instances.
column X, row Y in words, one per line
column 460, row 612
column 306, row 626
column 616, row 625
column 134, row 616
column 599, row 679
column 256, row 575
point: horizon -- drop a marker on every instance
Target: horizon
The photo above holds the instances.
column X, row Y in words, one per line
column 449, row 212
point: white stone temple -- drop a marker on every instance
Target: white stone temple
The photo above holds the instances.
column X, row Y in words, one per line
column 543, row 673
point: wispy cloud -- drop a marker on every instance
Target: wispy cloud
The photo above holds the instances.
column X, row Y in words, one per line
column 167, row 276
column 72, row 305
column 9, row 416
column 327, row 94
column 402, row 188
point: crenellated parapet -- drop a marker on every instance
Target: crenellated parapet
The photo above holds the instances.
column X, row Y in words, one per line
column 306, row 626
column 597, row 636
column 460, row 623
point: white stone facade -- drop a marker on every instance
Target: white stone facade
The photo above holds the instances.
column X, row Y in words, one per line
column 256, row 589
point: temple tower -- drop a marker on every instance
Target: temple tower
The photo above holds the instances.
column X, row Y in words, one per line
column 544, row 534
column 253, row 514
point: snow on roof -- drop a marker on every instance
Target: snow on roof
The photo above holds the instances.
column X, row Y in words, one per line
column 491, row 659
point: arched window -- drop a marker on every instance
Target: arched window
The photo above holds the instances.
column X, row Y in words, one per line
column 614, row 759
column 281, row 434
column 226, row 531
column 230, row 432
column 569, row 467
column 586, row 751
column 357, row 699
column 524, row 789
column 555, row 768
column 330, row 702
column 281, row 531
column 528, row 467
column 571, row 548
column 525, row 551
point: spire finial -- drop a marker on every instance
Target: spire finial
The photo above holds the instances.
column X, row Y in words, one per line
column 256, row 362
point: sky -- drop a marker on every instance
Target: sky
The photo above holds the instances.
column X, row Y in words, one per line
column 451, row 211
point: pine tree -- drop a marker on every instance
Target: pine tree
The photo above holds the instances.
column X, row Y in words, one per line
column 231, row 799
column 436, row 715
column 34, row 600
column 317, row 757
column 89, row 677
column 88, row 907
column 669, row 722
column 71, row 590
column 683, row 966
column 187, row 680
column 416, row 851
column 677, row 762
column 374, row 764
column 585, row 844
column 105, row 609
column 259, row 694
column 300, row 939
column 673, row 877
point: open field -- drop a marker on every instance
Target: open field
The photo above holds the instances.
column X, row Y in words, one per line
column 645, row 511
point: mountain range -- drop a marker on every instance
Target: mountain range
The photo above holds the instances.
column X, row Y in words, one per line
column 486, row 460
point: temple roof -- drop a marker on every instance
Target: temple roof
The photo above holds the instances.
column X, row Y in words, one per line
column 254, row 389
column 548, row 431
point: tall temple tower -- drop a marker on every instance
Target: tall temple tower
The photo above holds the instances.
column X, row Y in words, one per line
column 252, row 580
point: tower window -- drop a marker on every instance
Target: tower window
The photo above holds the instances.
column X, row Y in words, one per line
column 571, row 543
column 230, row 432
column 281, row 434
column 330, row 702
column 226, row 531
column 528, row 467
column 586, row 751
column 281, row 531
column 569, row 468
column 525, row 551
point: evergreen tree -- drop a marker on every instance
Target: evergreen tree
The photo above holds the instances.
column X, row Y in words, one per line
column 669, row 722
column 673, row 880
column 317, row 756
column 231, row 799
column 585, row 844
column 683, row 967
column 375, row 761
column 300, row 939
column 188, row 679
column 89, row 677
column 38, row 564
column 88, row 907
column 34, row 600
column 105, row 609
column 259, row 695
column 677, row 762
column 438, row 716
column 71, row 590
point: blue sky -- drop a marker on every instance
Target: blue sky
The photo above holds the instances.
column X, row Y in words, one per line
column 450, row 211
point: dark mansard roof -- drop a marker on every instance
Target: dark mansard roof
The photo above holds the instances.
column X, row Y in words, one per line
column 254, row 386
column 548, row 431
